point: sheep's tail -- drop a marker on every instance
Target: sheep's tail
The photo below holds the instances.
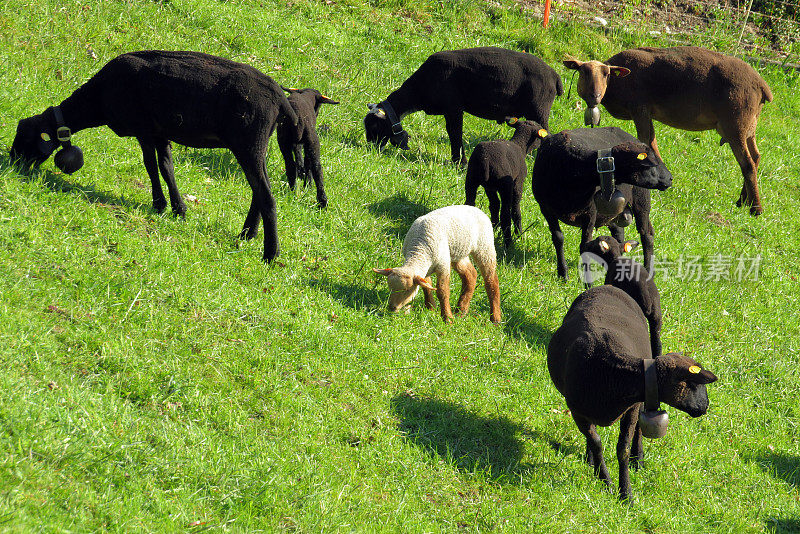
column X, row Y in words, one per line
column 287, row 110
column 559, row 86
column 766, row 92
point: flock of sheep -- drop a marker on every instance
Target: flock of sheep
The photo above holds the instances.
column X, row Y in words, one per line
column 605, row 358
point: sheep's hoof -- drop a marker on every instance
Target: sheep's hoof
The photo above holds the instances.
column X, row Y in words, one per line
column 756, row 210
column 159, row 207
column 248, row 233
column 322, row 201
column 179, row 210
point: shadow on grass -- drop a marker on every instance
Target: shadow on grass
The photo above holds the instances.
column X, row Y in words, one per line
column 350, row 294
column 58, row 183
column 400, row 209
column 780, row 525
column 518, row 325
column 468, row 441
column 783, row 466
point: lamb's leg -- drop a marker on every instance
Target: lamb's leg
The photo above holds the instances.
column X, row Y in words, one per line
column 494, row 206
column 430, row 303
column 287, row 151
column 655, row 334
column 454, row 122
column 313, row 161
column 748, row 157
column 151, row 165
column 250, row 227
column 641, row 214
column 516, row 210
column 627, row 428
column 594, row 448
column 468, row 275
column 470, row 188
column 492, row 284
column 586, row 235
column 164, row 149
column 558, row 242
column 617, row 232
column 637, row 450
column 506, row 201
column 443, row 293
column 255, row 170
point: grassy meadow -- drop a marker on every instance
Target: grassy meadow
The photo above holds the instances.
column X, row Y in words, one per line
column 157, row 376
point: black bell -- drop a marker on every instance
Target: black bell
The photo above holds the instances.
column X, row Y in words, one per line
column 612, row 206
column 69, row 159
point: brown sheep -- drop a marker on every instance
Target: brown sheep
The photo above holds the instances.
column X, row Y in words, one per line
column 685, row 87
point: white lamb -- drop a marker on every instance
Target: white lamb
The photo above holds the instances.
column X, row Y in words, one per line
column 443, row 238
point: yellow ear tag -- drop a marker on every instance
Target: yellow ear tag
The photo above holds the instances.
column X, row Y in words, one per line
column 642, row 156
column 513, row 120
column 45, row 137
column 694, row 369
column 627, row 247
column 543, row 133
column 603, row 245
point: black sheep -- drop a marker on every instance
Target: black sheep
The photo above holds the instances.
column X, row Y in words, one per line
column 565, row 180
column 595, row 361
column 487, row 82
column 293, row 140
column 499, row 166
column 631, row 277
column 157, row 96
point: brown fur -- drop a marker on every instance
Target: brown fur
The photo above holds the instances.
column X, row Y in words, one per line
column 685, row 87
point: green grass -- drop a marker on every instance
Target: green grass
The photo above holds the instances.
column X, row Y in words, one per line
column 155, row 375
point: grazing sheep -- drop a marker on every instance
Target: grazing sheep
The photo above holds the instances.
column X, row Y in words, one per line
column 191, row 98
column 684, row 87
column 595, row 361
column 487, row 82
column 445, row 238
column 499, row 166
column 565, row 178
column 294, row 139
column 631, row 277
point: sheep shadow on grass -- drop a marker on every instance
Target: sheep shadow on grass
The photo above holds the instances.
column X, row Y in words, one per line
column 401, row 210
column 464, row 439
column 350, row 294
column 783, row 466
column 518, row 325
column 780, row 525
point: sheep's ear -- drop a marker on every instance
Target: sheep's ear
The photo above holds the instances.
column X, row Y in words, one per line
column 620, row 72
column 322, row 99
column 384, row 272
column 289, row 89
column 572, row 63
column 424, row 284
column 701, row 376
column 630, row 245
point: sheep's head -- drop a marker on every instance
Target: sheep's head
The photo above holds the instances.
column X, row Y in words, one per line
column 38, row 137
column 608, row 248
column 593, row 78
column 312, row 96
column 35, row 141
column 530, row 133
column 682, row 383
column 637, row 164
column 379, row 129
column 404, row 285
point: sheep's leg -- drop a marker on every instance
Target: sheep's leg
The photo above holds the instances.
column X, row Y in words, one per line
column 586, row 235
column 655, row 335
column 287, row 151
column 641, row 214
column 468, row 275
column 558, row 242
column 637, row 450
column 164, row 149
column 617, row 232
column 594, row 448
column 645, row 130
column 315, row 171
column 454, row 123
column 443, row 293
column 151, row 165
column 255, row 170
column 250, row 227
column 470, row 189
column 494, row 206
column 430, row 303
column 516, row 210
column 506, row 204
column 492, row 285
column 627, row 428
column 302, row 163
column 748, row 158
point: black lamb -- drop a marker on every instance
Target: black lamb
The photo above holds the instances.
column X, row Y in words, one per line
column 630, row 276
column 595, row 361
column 499, row 166
column 293, row 140
column 157, row 96
column 565, row 180
column 487, row 82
